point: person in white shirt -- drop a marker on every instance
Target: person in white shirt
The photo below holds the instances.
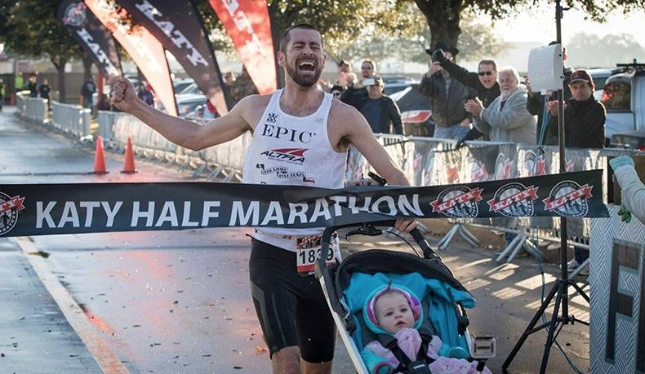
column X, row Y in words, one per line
column 292, row 310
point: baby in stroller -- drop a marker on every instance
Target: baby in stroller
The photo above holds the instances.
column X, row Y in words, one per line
column 394, row 311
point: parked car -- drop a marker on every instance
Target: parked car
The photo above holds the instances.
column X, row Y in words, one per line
column 624, row 99
column 393, row 85
column 415, row 111
column 181, row 84
column 188, row 104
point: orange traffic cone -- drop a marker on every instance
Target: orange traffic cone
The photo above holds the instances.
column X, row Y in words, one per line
column 128, row 164
column 99, row 158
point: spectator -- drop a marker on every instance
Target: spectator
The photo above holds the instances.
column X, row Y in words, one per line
column 44, row 90
column 229, row 78
column 447, row 97
column 336, row 91
column 632, row 188
column 506, row 119
column 32, row 85
column 103, row 103
column 1, row 93
column 536, row 105
column 356, row 92
column 584, row 126
column 344, row 68
column 145, row 94
column 88, row 89
column 242, row 87
column 484, row 82
column 381, row 112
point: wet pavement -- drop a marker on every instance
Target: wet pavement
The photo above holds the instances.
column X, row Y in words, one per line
column 179, row 302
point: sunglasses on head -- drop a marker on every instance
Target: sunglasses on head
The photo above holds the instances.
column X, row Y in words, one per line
column 482, row 73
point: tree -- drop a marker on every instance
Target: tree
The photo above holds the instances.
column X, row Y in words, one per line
column 584, row 47
column 30, row 28
column 444, row 16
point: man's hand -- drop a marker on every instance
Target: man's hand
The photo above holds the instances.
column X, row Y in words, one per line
column 123, row 94
column 438, row 55
column 406, row 225
column 552, row 107
column 527, row 83
column 434, row 68
column 474, row 106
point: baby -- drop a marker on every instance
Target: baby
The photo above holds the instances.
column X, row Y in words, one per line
column 396, row 311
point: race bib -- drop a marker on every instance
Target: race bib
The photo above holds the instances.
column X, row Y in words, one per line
column 308, row 250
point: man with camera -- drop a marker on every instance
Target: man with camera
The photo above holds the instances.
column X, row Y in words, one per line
column 447, row 96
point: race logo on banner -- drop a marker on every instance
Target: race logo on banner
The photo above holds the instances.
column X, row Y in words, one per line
column 514, row 200
column 569, row 199
column 9, row 209
column 146, row 51
column 179, row 27
column 46, row 209
column 92, row 36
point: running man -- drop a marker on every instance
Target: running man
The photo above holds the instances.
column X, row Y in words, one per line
column 296, row 322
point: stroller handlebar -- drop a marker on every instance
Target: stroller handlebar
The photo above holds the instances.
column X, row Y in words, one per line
column 368, row 228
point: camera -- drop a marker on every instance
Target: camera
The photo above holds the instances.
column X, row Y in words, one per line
column 368, row 82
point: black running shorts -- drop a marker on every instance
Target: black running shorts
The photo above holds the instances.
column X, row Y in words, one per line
column 291, row 308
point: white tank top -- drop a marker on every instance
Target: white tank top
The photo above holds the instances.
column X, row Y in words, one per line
column 295, row 151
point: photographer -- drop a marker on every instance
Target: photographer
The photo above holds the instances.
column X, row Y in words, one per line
column 356, row 91
column 447, row 96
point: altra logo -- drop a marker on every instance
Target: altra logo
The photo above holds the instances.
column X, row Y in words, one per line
column 290, row 155
column 9, row 208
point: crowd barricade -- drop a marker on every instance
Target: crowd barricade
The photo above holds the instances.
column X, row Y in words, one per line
column 71, row 119
column 31, row 109
column 427, row 161
column 106, row 120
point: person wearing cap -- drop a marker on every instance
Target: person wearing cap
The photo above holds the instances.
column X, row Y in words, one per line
column 584, row 127
column 584, row 116
column 447, row 97
column 380, row 111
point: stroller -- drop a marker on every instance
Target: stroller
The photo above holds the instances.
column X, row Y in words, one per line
column 444, row 300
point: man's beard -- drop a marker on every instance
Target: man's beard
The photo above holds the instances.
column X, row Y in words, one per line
column 304, row 81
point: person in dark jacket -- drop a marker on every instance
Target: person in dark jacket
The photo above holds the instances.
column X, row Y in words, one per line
column 44, row 91
column 584, row 127
column 484, row 82
column 447, row 98
column 584, row 116
column 381, row 112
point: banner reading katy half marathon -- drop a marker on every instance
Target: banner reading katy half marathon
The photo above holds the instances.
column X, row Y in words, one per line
column 92, row 36
column 178, row 26
column 46, row 209
column 146, row 51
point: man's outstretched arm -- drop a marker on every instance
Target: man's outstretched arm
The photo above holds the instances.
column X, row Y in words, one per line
column 178, row 130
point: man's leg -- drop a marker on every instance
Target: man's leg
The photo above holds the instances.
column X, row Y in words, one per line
column 322, row 368
column 286, row 360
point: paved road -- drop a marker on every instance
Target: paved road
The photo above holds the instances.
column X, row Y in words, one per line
column 178, row 302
